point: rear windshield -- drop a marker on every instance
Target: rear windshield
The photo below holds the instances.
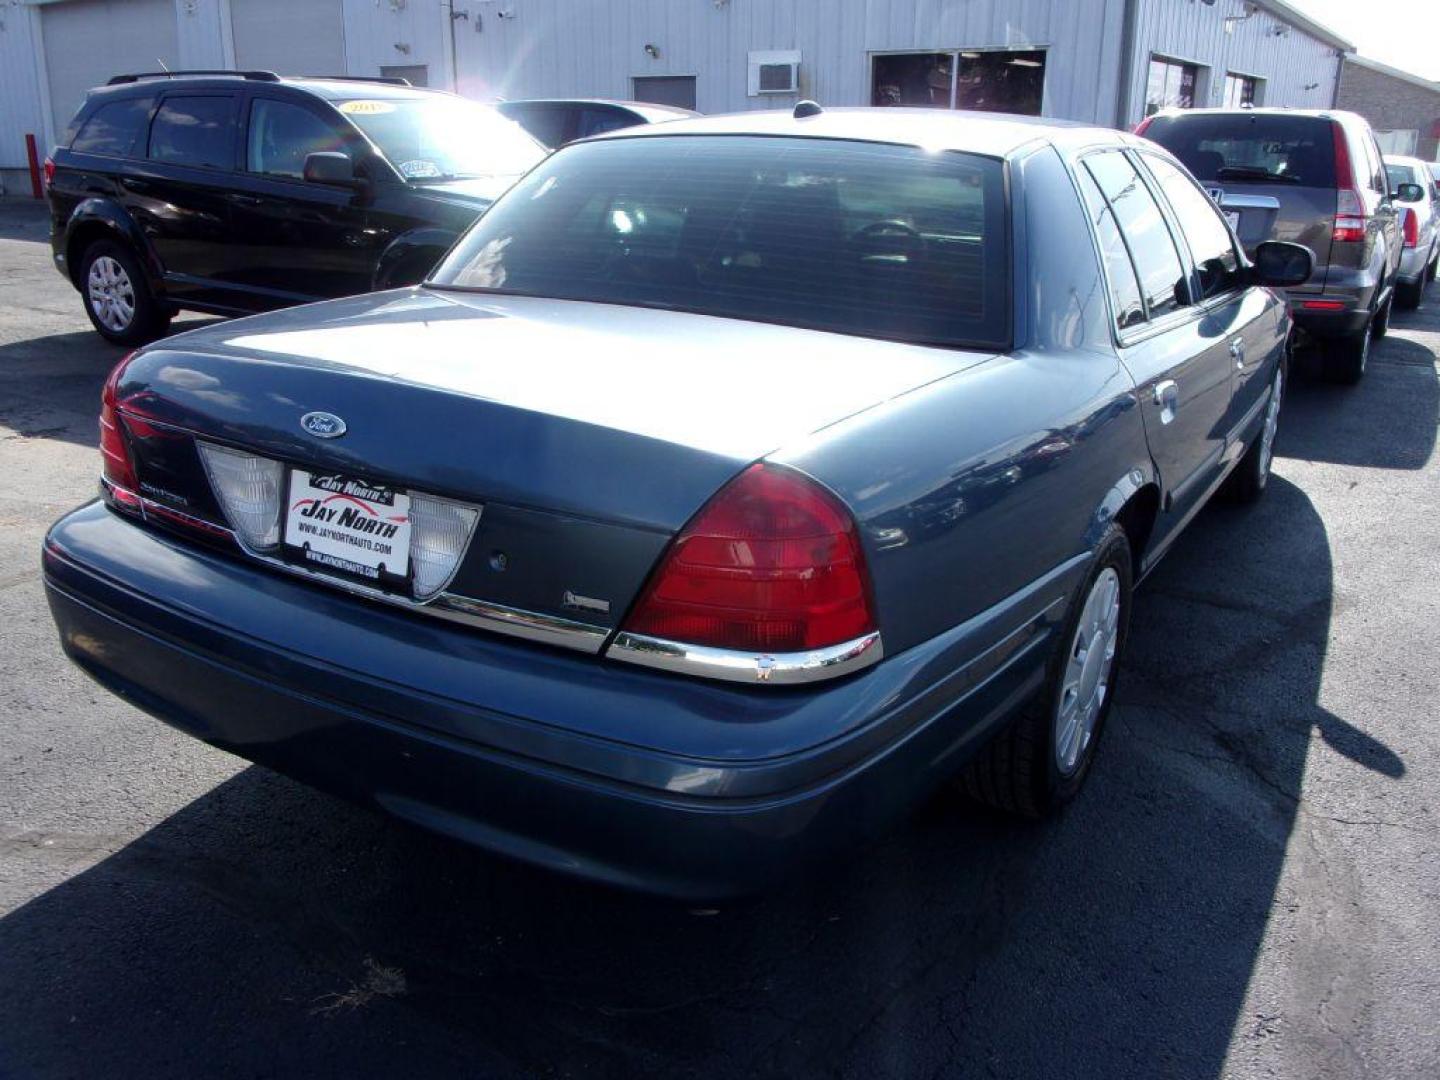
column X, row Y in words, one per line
column 878, row 241
column 1257, row 148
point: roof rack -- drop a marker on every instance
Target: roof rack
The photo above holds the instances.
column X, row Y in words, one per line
column 391, row 80
column 253, row 76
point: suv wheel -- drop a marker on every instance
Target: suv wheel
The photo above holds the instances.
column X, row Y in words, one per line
column 116, row 295
column 1433, row 269
column 1409, row 296
column 1380, row 321
column 1345, row 358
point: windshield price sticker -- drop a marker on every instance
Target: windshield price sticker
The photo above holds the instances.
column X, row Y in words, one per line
column 341, row 523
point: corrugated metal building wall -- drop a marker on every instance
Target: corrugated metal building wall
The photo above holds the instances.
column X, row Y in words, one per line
column 525, row 48
column 596, row 47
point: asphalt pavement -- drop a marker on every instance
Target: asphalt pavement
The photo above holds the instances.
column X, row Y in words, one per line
column 1248, row 887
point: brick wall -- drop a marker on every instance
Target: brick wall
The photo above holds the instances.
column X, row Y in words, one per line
column 1390, row 103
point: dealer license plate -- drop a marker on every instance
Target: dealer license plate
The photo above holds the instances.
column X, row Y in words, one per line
column 345, row 525
column 1233, row 217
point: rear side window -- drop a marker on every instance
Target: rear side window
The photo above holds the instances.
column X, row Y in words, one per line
column 856, row 238
column 114, row 129
column 1157, row 263
column 1124, row 287
column 1204, row 229
column 282, row 135
column 1252, row 148
column 195, row 131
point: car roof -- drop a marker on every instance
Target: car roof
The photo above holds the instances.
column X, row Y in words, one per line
column 990, row 134
column 642, row 108
column 1319, row 114
column 328, row 87
column 1406, row 159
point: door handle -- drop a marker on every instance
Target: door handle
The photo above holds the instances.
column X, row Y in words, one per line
column 1237, row 353
column 1167, row 396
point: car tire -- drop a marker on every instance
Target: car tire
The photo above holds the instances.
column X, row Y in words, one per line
column 1434, row 268
column 1408, row 296
column 117, row 295
column 1380, row 321
column 1038, row 762
column 1246, row 483
column 1344, row 359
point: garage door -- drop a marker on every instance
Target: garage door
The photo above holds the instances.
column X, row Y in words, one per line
column 87, row 41
column 289, row 37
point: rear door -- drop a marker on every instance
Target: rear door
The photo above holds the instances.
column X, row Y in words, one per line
column 298, row 241
column 1273, row 174
column 1181, row 365
column 180, row 195
column 1234, row 318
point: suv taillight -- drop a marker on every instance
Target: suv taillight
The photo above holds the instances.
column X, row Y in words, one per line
column 49, row 168
column 772, row 564
column 1349, row 207
column 1410, row 225
column 116, row 467
column 1142, row 125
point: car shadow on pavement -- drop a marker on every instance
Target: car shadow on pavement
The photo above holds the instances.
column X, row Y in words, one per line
column 50, row 386
column 268, row 929
column 1332, row 423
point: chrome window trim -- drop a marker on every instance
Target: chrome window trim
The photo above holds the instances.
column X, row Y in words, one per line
column 733, row 665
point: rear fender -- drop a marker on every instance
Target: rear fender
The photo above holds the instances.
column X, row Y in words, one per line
column 1139, row 521
column 99, row 219
column 405, row 251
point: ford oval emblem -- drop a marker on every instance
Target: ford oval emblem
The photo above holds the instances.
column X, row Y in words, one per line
column 323, row 425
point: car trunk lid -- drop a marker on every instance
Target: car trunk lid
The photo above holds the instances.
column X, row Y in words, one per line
column 585, row 434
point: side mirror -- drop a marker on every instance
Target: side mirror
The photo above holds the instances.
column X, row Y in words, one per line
column 1279, row 265
column 1410, row 193
column 331, row 167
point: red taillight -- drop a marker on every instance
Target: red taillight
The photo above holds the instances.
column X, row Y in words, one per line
column 1410, row 225
column 1323, row 305
column 771, row 564
column 1142, row 125
column 117, row 467
column 1349, row 207
column 49, row 171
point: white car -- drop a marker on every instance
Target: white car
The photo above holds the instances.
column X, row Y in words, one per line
column 1419, row 218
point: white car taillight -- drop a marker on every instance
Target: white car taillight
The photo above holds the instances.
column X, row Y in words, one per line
column 248, row 489
column 439, row 534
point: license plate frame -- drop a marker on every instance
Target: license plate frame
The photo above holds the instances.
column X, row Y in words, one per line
column 346, row 527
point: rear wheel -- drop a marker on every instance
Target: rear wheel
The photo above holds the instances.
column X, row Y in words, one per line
column 1434, row 268
column 1247, row 482
column 1380, row 321
column 1345, row 358
column 1040, row 760
column 1408, row 296
column 117, row 297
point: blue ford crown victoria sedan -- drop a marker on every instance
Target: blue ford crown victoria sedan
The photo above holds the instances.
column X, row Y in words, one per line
column 732, row 484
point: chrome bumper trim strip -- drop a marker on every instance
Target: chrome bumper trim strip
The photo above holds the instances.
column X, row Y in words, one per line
column 777, row 669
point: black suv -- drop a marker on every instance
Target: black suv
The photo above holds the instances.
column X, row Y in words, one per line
column 236, row 192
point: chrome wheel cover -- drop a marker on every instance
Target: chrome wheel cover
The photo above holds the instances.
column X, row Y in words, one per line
column 1089, row 671
column 1272, row 425
column 112, row 295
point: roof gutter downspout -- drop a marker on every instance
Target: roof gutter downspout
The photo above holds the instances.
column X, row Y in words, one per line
column 1127, row 64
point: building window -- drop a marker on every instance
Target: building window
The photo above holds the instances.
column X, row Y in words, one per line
column 677, row 90
column 1241, row 90
column 1171, row 85
column 990, row 80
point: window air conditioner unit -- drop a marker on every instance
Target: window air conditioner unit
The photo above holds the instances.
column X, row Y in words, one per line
column 774, row 72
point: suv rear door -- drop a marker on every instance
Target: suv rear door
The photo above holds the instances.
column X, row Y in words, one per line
column 1273, row 174
column 180, row 194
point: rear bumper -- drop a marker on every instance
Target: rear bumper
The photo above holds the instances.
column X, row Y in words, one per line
column 1329, row 324
column 501, row 744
